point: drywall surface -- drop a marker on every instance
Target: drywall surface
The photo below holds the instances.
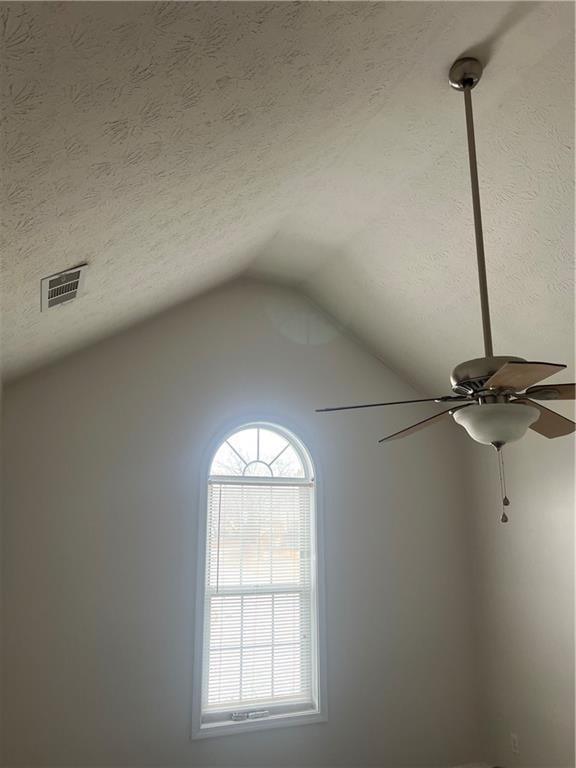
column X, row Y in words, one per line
column 171, row 145
column 103, row 456
column 525, row 581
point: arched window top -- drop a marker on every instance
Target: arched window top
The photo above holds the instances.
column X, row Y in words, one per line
column 263, row 451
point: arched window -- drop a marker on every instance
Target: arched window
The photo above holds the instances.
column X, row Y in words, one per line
column 259, row 646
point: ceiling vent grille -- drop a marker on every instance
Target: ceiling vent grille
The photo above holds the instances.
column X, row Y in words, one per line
column 62, row 287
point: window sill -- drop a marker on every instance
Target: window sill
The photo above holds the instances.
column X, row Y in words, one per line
column 211, row 730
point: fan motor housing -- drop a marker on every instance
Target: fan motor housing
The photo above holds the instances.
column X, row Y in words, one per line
column 469, row 377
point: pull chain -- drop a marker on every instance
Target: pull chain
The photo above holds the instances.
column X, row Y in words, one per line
column 505, row 499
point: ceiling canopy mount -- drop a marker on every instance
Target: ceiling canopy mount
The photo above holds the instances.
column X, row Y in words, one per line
column 465, row 73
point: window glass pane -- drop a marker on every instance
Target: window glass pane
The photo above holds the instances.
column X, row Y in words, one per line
column 271, row 444
column 224, row 676
column 257, row 620
column 226, row 462
column 288, row 464
column 287, row 618
column 256, row 673
column 287, row 670
column 245, row 442
column 259, row 535
column 225, row 627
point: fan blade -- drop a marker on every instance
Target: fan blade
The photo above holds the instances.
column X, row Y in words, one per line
column 420, row 424
column 518, row 376
column 552, row 392
column 550, row 424
column 443, row 399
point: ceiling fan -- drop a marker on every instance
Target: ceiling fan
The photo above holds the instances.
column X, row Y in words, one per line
column 493, row 396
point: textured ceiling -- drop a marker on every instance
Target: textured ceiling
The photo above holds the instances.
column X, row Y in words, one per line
column 173, row 146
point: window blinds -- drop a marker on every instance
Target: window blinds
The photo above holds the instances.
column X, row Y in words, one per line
column 259, row 625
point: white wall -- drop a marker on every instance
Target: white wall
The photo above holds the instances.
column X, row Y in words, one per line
column 101, row 489
column 525, row 582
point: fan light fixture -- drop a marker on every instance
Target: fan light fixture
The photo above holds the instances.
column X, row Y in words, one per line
column 497, row 423
column 493, row 395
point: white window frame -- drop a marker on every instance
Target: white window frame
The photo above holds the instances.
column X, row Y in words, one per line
column 280, row 719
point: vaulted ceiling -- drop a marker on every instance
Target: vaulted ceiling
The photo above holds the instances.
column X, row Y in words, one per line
column 174, row 146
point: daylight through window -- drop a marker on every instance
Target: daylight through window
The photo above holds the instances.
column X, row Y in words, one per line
column 260, row 597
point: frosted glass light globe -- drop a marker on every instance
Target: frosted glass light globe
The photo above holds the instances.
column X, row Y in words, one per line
column 496, row 423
